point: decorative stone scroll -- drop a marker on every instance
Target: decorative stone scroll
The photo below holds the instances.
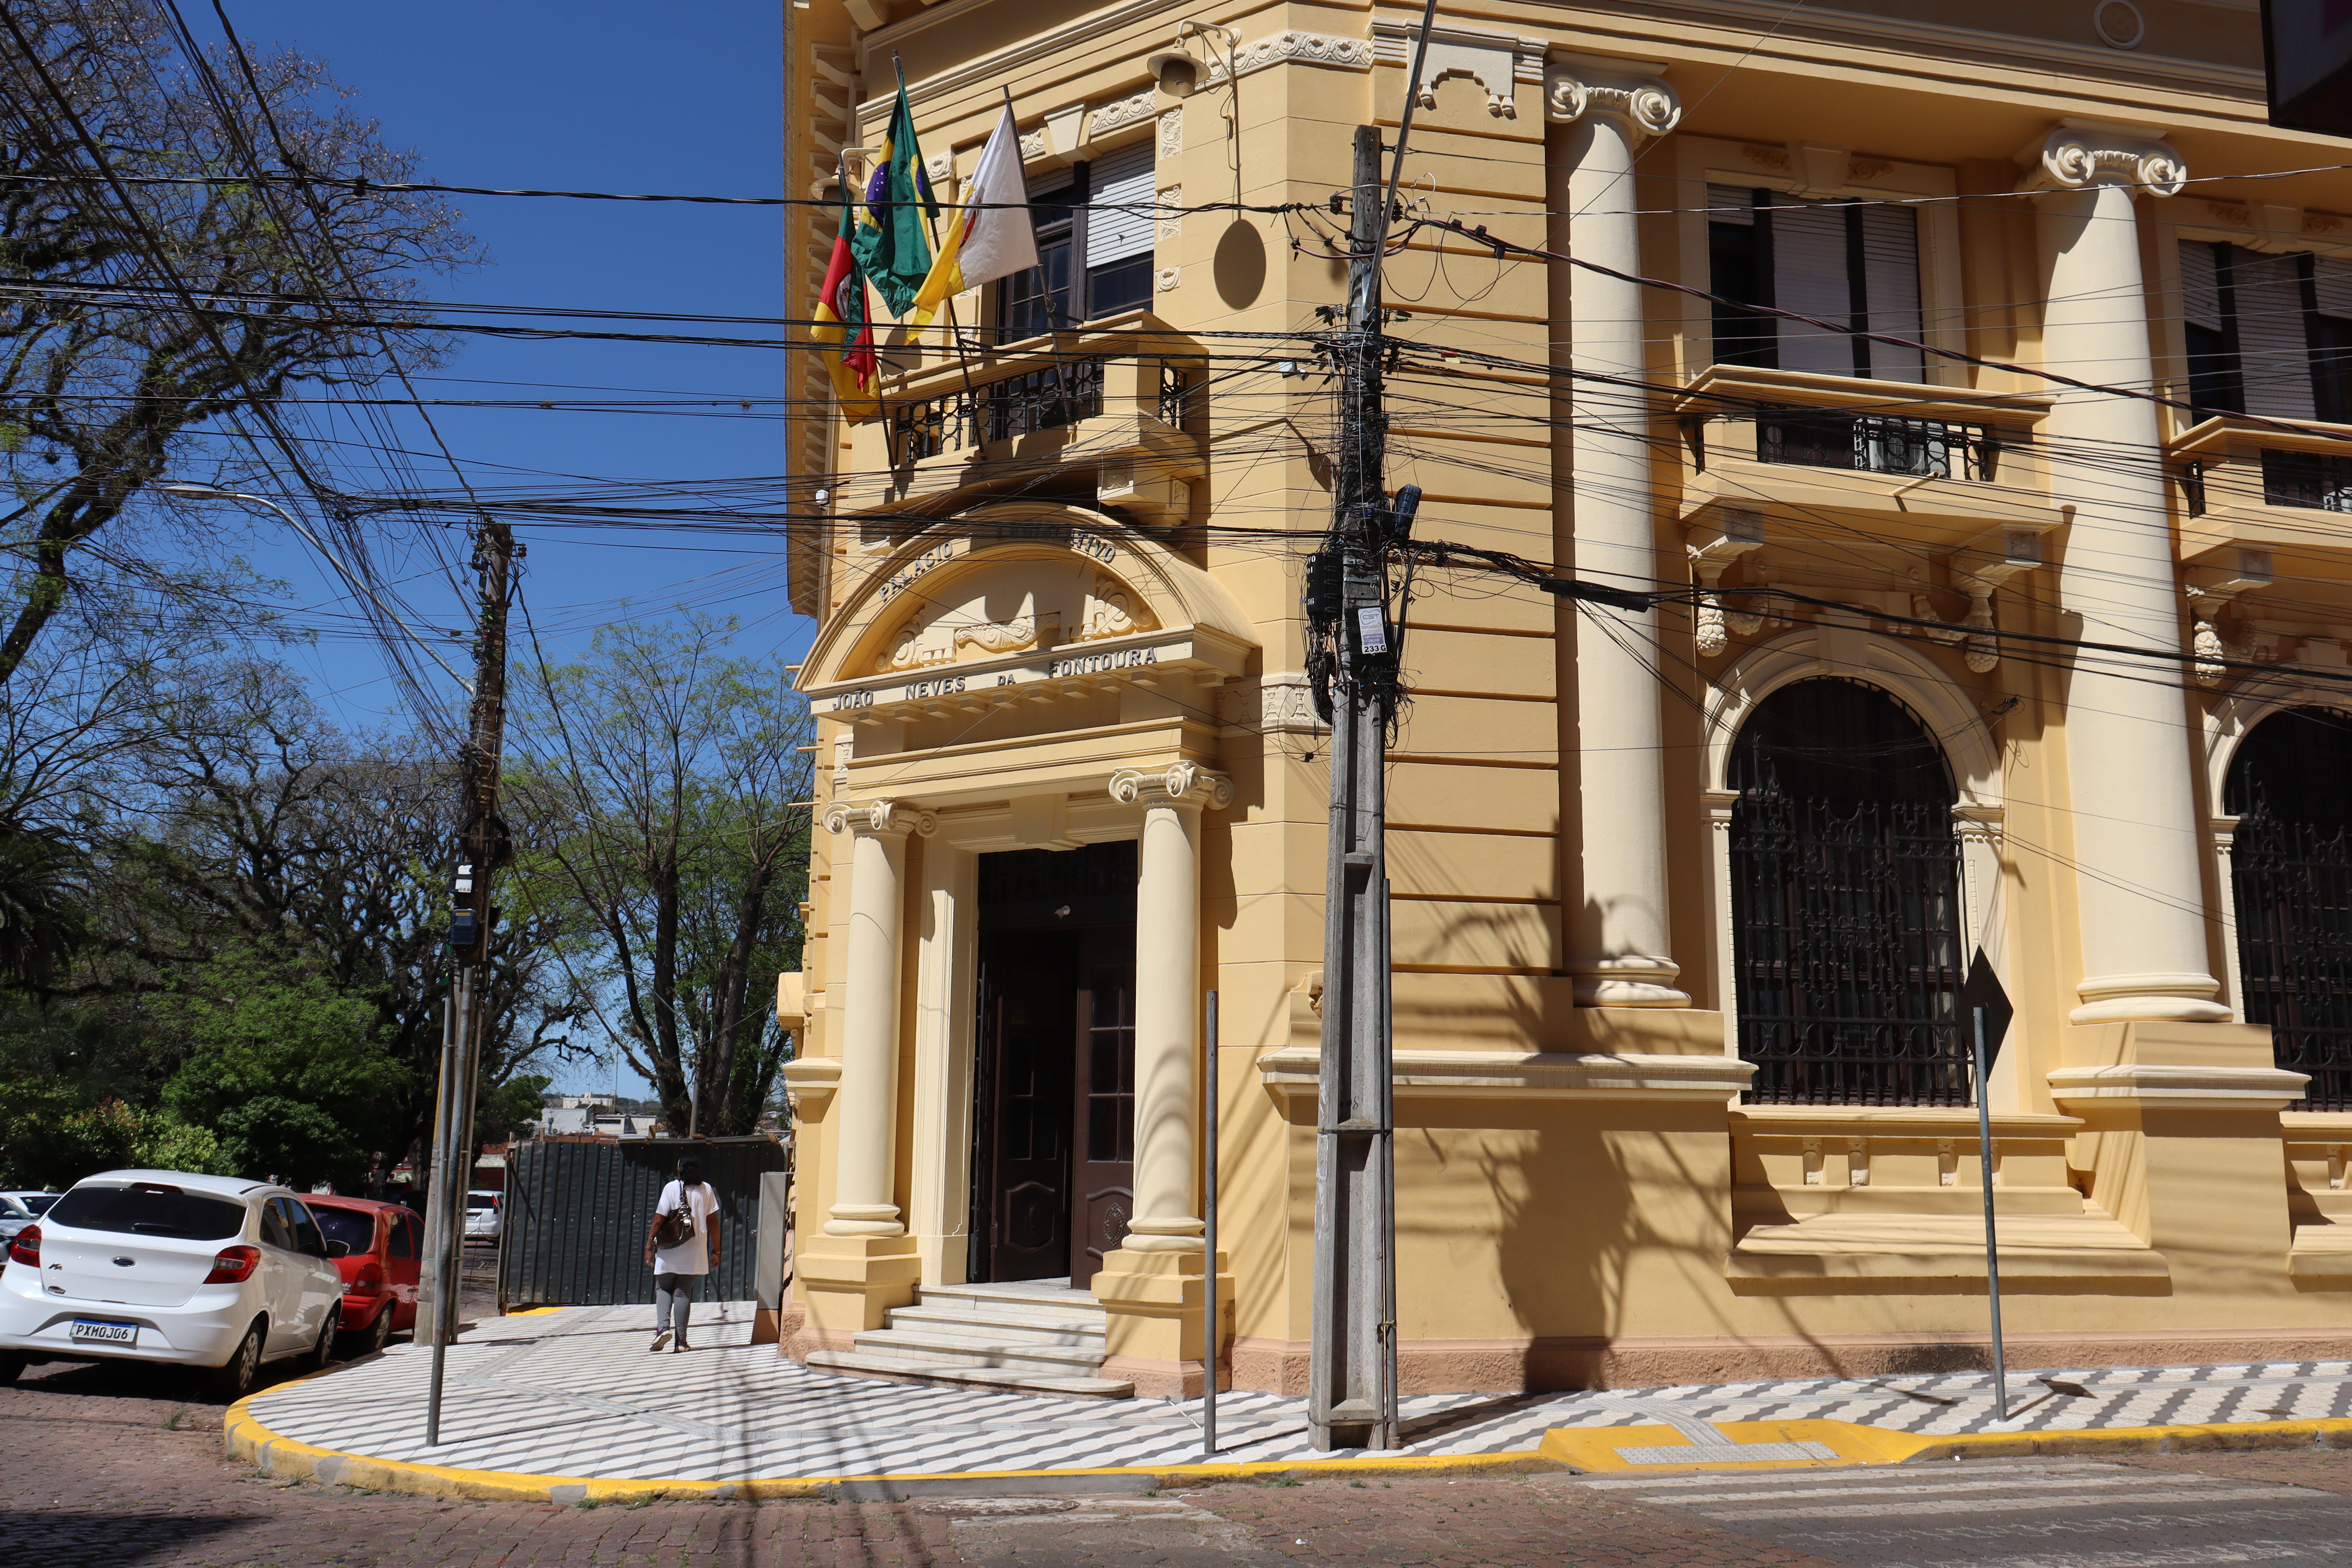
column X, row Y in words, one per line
column 2079, row 154
column 1179, row 784
column 879, row 817
column 1316, row 49
column 1120, row 115
column 1574, row 89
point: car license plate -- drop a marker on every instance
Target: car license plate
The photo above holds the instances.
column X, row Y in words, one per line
column 106, row 1334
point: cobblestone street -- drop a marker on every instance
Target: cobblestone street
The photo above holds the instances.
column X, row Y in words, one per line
column 108, row 1465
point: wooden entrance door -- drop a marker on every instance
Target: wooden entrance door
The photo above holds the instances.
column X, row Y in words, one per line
column 1103, row 1136
column 1021, row 1226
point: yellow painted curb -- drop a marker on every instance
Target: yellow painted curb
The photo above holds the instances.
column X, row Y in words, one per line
column 246, row 1438
column 1595, row 1448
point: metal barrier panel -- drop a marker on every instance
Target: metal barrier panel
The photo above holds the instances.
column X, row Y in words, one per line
column 574, row 1231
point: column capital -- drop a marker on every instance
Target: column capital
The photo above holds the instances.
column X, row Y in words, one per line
column 1575, row 87
column 1179, row 784
column 2080, row 154
column 878, row 817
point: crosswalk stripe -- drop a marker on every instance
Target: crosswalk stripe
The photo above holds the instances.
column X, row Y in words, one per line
column 1929, row 1504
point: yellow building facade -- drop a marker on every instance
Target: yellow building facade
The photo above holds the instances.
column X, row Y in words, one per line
column 1683, row 901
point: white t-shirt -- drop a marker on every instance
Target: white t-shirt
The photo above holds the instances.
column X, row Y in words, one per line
column 691, row 1255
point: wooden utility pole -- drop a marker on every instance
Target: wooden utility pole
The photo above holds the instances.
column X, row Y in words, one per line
column 483, row 848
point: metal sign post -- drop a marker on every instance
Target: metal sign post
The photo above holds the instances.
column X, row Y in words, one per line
column 1208, row 1239
column 1993, row 1243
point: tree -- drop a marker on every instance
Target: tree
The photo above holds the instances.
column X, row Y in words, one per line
column 139, row 314
column 259, row 826
column 662, row 808
column 285, row 1068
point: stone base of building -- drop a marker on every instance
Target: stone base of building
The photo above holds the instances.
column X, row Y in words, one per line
column 1531, row 1365
column 1161, row 1379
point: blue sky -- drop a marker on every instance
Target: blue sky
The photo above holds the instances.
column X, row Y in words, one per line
column 587, row 96
column 592, row 96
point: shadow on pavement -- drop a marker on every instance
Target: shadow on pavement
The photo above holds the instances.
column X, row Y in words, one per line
column 70, row 1540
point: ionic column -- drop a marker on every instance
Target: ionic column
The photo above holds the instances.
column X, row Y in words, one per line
column 1617, row 929
column 2136, row 824
column 866, row 1111
column 1167, row 998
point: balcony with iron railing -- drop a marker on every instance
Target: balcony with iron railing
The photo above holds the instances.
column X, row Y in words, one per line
column 1116, row 407
column 2255, row 490
column 1916, row 465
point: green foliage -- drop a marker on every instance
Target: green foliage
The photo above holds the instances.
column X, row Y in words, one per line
column 284, row 1067
column 41, row 917
column 501, row 1110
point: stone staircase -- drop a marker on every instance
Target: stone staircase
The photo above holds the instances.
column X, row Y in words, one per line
column 1035, row 1337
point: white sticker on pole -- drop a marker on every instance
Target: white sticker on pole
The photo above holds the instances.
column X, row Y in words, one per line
column 1372, row 630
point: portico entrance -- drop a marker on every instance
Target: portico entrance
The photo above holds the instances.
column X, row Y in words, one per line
column 1053, row 1092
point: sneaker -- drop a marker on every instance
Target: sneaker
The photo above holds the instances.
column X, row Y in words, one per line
column 681, row 1347
column 661, row 1338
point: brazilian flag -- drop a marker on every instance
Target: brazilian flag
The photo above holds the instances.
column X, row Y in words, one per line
column 891, row 245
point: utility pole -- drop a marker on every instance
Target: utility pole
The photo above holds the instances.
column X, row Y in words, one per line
column 483, row 848
column 1351, row 1381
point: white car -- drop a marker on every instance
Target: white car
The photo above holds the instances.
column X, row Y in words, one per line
column 163, row 1265
column 485, row 1216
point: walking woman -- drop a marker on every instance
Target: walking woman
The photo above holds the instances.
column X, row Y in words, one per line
column 682, row 1245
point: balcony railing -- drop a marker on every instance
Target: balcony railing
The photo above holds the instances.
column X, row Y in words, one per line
column 1045, row 398
column 2303, row 478
column 1877, row 443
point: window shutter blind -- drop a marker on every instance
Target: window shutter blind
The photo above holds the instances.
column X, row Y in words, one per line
column 1732, row 204
column 1890, row 289
column 1809, row 276
column 2332, row 281
column 2273, row 351
column 2200, row 286
column 1118, row 215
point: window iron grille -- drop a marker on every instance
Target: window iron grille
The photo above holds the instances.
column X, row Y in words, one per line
column 1846, row 951
column 1877, row 443
column 2307, row 478
column 2192, row 486
column 1175, row 390
column 2292, row 885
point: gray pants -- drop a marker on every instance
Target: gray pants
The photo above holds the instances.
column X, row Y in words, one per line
column 673, row 1297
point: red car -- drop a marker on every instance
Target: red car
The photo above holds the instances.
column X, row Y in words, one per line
column 376, row 1247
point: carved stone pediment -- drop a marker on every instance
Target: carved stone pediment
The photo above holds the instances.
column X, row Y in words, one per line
column 1015, row 607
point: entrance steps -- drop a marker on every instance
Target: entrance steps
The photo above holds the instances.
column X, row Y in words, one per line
column 1036, row 1337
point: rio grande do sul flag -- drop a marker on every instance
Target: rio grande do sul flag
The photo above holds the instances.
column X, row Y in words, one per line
column 992, row 237
column 844, row 326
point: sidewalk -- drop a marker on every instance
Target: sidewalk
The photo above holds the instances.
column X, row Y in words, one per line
column 567, row 1407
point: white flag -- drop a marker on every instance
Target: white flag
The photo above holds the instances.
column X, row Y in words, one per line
column 991, row 236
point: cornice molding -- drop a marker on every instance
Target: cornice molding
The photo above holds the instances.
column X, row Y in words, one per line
column 879, row 818
column 1180, row 783
column 1314, row 49
column 1295, row 1072
column 2078, row 155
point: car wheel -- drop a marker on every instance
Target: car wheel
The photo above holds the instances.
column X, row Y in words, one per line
column 322, row 1353
column 234, row 1380
column 378, row 1333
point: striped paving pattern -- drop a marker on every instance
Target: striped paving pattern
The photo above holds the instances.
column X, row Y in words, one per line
column 574, row 1394
column 2031, row 1514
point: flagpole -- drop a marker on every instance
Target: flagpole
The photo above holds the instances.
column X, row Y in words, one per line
column 955, row 330
column 1044, row 292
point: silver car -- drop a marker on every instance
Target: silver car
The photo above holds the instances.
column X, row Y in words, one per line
column 164, row 1266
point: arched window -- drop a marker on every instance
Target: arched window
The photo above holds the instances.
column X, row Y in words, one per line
column 1845, row 892
column 2290, row 787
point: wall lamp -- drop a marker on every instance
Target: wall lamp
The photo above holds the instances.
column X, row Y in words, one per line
column 1178, row 73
